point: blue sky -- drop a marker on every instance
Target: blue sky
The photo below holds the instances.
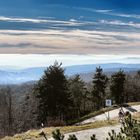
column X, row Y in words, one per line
column 70, row 27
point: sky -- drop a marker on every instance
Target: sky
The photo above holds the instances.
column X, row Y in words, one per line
column 22, row 61
column 72, row 28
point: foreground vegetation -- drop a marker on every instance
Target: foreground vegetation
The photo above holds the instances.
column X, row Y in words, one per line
column 130, row 130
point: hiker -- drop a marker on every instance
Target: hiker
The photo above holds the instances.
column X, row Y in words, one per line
column 121, row 116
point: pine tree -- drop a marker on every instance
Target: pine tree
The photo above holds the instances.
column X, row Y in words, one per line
column 99, row 85
column 129, row 131
column 78, row 90
column 72, row 137
column 117, row 86
column 57, row 135
column 52, row 92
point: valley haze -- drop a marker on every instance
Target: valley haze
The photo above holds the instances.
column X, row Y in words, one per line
column 16, row 76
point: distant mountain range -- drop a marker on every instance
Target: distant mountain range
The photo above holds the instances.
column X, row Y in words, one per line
column 8, row 76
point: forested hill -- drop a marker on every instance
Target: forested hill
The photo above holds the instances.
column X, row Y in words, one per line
column 33, row 74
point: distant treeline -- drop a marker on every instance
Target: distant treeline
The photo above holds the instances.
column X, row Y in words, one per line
column 58, row 100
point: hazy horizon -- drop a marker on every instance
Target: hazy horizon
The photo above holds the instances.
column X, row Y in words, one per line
column 23, row 61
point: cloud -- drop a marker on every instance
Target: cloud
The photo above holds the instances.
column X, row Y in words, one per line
column 110, row 12
column 7, row 45
column 2, row 18
column 124, row 15
column 120, row 23
column 67, row 42
column 94, row 10
column 102, row 11
column 71, row 22
column 34, row 24
column 72, row 36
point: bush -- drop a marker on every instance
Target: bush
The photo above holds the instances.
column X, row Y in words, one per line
column 55, row 122
column 129, row 131
column 57, row 135
column 72, row 137
column 93, row 137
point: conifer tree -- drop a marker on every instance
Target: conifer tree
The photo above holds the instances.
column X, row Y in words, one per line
column 117, row 86
column 52, row 92
column 57, row 135
column 99, row 85
column 129, row 131
column 78, row 90
column 72, row 137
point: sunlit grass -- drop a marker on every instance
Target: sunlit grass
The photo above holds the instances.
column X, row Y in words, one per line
column 134, row 103
column 34, row 134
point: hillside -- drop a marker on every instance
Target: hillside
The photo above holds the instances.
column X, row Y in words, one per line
column 98, row 126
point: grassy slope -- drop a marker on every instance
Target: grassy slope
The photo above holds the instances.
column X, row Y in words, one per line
column 34, row 134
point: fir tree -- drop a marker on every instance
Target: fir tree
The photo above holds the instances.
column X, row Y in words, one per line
column 99, row 85
column 52, row 92
column 72, row 137
column 129, row 131
column 117, row 87
column 57, row 135
column 78, row 90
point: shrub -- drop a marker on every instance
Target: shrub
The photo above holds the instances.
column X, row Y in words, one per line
column 57, row 135
column 93, row 137
column 55, row 122
column 129, row 131
column 72, row 137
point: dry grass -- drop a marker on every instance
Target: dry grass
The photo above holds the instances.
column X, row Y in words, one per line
column 34, row 134
column 134, row 103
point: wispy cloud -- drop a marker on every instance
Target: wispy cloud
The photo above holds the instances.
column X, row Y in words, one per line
column 120, row 23
column 71, row 36
column 73, row 41
column 94, row 10
column 65, row 25
column 124, row 15
column 110, row 12
column 71, row 22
